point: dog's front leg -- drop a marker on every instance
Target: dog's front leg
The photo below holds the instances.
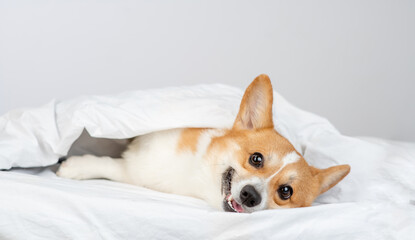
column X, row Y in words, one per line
column 90, row 167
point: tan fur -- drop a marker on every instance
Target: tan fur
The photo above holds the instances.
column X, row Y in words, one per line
column 188, row 139
column 330, row 176
column 255, row 111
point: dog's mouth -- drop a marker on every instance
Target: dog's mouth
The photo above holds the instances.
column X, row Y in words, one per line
column 229, row 203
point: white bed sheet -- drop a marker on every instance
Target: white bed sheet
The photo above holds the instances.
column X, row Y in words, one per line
column 376, row 200
column 43, row 206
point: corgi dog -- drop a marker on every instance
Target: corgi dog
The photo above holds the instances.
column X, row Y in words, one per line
column 246, row 168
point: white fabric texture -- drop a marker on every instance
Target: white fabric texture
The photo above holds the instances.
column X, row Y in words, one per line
column 375, row 201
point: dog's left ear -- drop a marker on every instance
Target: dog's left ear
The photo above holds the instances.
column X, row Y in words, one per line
column 329, row 177
column 255, row 111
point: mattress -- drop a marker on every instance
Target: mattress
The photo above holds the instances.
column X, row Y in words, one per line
column 375, row 201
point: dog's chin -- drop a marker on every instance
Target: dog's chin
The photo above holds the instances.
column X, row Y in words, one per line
column 229, row 203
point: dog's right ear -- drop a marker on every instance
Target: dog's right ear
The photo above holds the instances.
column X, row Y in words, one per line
column 255, row 111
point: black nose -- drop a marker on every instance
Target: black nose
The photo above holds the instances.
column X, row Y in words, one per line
column 249, row 196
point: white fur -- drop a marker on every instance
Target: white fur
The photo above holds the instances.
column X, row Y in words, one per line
column 153, row 161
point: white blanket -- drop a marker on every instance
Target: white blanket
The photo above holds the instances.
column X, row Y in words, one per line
column 376, row 200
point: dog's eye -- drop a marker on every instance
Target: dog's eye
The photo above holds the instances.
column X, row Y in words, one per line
column 256, row 160
column 285, row 192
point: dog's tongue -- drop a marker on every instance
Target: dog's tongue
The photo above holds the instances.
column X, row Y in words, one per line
column 237, row 207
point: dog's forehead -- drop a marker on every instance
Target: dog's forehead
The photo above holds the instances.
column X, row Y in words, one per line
column 274, row 159
column 279, row 162
column 267, row 141
column 277, row 158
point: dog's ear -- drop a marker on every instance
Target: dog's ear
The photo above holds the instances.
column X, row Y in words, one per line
column 329, row 177
column 255, row 111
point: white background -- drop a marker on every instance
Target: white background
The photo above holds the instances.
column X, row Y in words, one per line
column 352, row 62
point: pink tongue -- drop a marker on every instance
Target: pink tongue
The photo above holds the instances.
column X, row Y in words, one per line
column 237, row 207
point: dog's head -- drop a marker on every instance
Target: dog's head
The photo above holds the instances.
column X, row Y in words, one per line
column 260, row 168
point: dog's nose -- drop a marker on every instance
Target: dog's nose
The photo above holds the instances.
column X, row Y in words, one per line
column 249, row 196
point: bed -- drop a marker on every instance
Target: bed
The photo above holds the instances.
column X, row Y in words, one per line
column 375, row 201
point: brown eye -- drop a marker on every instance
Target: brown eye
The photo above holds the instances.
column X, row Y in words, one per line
column 256, row 160
column 285, row 192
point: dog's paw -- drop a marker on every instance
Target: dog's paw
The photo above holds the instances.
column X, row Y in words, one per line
column 72, row 168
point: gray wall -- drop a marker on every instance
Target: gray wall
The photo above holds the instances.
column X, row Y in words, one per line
column 352, row 62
